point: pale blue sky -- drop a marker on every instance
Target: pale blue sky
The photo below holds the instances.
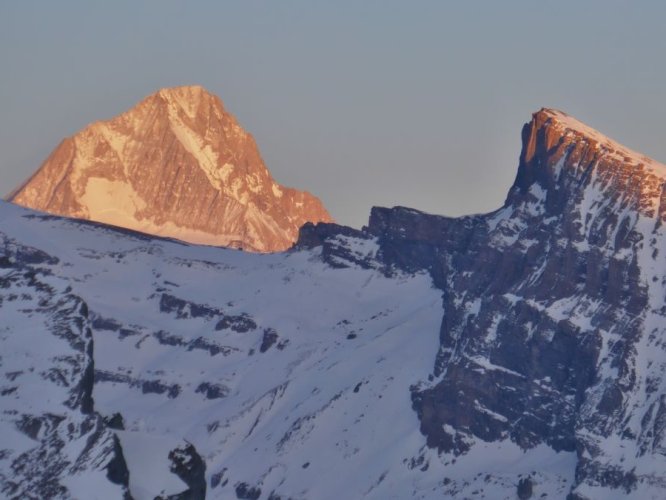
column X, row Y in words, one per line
column 416, row 103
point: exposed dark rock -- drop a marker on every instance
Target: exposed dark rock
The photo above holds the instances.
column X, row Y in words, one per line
column 269, row 338
column 166, row 338
column 315, row 235
column 187, row 309
column 218, row 479
column 115, row 421
column 206, row 345
column 282, row 344
column 212, row 391
column 88, row 377
column 146, row 386
column 245, row 491
column 188, row 465
column 213, row 348
column 16, row 254
column 241, row 324
column 30, row 425
column 8, row 391
column 157, row 387
column 100, row 323
column 275, row 496
column 525, row 488
column 184, row 309
column 117, row 470
column 109, row 324
column 334, row 251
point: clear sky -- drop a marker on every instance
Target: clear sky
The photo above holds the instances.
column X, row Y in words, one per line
column 415, row 103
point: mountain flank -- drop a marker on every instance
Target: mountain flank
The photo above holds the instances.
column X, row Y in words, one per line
column 179, row 165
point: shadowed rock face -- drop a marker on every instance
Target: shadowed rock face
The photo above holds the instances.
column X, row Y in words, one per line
column 178, row 165
column 190, row 467
column 553, row 306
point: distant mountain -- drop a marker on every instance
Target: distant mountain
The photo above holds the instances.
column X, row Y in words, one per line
column 178, row 165
column 515, row 354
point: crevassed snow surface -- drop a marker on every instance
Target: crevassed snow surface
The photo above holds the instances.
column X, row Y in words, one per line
column 287, row 375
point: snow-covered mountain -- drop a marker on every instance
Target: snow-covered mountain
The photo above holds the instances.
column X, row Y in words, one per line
column 178, row 165
column 512, row 354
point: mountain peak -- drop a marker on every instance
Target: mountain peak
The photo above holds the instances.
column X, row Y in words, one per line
column 563, row 120
column 566, row 123
column 184, row 91
column 189, row 98
column 561, row 155
column 558, row 126
column 178, row 165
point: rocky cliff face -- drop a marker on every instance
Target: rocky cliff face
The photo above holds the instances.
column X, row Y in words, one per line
column 178, row 165
column 554, row 313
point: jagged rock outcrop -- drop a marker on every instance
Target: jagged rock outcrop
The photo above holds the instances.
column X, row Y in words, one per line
column 177, row 165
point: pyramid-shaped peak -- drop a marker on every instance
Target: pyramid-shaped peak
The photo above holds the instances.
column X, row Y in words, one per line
column 176, row 165
column 187, row 97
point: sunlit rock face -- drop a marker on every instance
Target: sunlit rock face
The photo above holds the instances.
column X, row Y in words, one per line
column 177, row 165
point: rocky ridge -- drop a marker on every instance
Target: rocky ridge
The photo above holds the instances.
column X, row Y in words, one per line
column 553, row 309
column 178, row 164
column 545, row 377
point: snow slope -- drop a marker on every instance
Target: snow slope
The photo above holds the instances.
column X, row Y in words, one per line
column 291, row 378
